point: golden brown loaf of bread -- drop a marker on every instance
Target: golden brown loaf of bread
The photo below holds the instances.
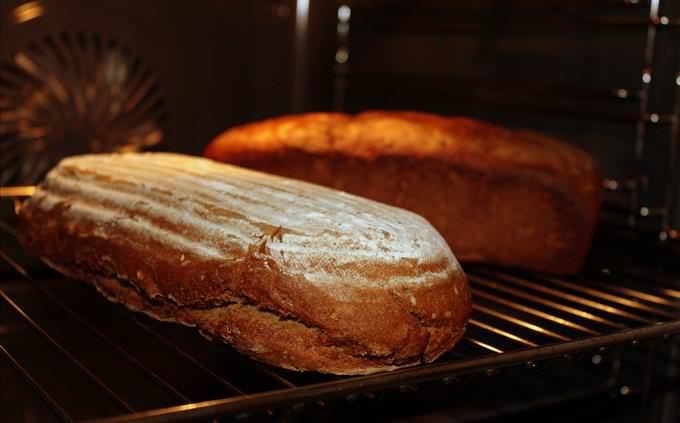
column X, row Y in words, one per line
column 290, row 273
column 512, row 198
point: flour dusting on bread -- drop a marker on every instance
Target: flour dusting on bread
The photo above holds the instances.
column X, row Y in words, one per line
column 220, row 211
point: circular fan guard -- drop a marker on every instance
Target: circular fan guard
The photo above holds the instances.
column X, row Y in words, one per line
column 70, row 93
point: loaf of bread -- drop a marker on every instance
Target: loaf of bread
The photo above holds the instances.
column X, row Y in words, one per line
column 511, row 198
column 289, row 273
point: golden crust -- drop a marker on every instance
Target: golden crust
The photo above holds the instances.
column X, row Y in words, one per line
column 262, row 311
column 514, row 198
column 266, row 336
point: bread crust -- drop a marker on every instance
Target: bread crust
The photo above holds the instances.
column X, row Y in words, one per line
column 512, row 198
column 252, row 302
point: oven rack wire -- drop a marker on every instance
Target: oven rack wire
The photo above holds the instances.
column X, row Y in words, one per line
column 519, row 319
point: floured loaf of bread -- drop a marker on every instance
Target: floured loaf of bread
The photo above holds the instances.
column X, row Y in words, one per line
column 289, row 273
column 500, row 196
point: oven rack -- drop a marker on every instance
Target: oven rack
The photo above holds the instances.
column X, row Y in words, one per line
column 519, row 319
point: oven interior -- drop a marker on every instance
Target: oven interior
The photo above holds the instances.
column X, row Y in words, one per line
column 92, row 76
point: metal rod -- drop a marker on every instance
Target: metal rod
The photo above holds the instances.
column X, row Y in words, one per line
column 641, row 127
column 519, row 322
column 37, row 388
column 521, row 307
column 646, row 296
column 474, row 101
column 573, row 298
column 609, row 297
column 618, row 185
column 178, row 395
column 539, row 300
column 672, row 161
column 506, row 86
column 364, row 384
column 672, row 292
column 300, row 59
column 483, row 345
column 342, row 56
column 169, row 344
column 663, row 283
column 16, row 266
column 8, row 229
column 150, row 373
column 636, row 293
column 464, row 23
column 501, row 332
column 118, row 401
column 264, row 369
column 17, row 191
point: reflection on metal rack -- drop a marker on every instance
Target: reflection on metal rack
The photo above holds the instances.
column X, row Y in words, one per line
column 17, row 191
column 519, row 319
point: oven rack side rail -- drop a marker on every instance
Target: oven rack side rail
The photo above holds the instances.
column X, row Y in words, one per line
column 367, row 384
column 445, row 373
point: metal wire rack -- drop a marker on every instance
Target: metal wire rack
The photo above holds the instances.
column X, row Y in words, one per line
column 122, row 366
column 126, row 367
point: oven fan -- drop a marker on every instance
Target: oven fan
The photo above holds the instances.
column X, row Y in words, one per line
column 71, row 93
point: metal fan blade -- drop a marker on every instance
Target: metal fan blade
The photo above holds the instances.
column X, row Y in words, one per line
column 74, row 92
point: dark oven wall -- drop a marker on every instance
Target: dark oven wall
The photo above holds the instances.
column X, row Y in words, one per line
column 600, row 74
column 82, row 75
